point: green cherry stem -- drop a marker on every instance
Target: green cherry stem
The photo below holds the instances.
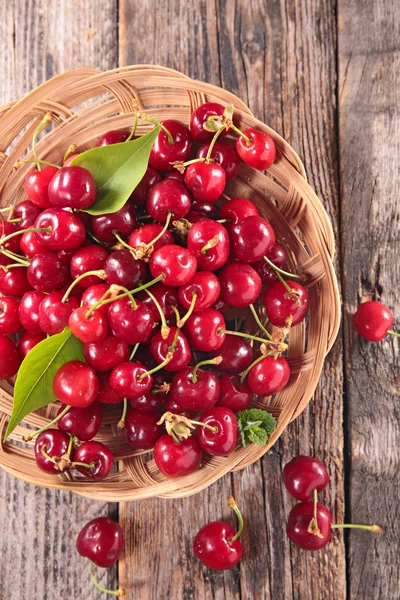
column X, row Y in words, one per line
column 134, row 126
column 258, row 321
column 236, row 130
column 70, row 447
column 232, row 504
column 176, row 312
column 146, row 117
column 14, row 220
column 164, row 229
column 70, row 150
column 38, row 162
column 201, row 424
column 99, row 273
column 313, row 525
column 247, row 336
column 210, row 244
column 212, row 361
column 10, row 236
column 284, row 283
column 135, row 349
column 158, row 367
column 121, row 241
column 372, row 528
column 85, row 465
column 43, row 123
column 121, row 422
column 129, row 294
column 395, row 333
column 16, row 257
column 164, row 327
column 191, row 308
column 12, row 266
column 30, row 436
column 118, row 593
column 281, row 271
column 211, row 146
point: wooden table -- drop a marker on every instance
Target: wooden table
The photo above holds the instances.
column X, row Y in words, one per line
column 326, row 75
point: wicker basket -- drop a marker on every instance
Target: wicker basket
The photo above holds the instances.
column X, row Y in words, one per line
column 84, row 104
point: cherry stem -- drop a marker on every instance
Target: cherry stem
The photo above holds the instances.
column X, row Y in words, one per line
column 121, row 241
column 70, row 150
column 146, row 117
column 70, row 446
column 38, row 162
column 7, row 209
column 315, row 498
column 5, row 239
column 281, row 271
column 284, row 283
column 255, row 362
column 85, row 465
column 224, row 221
column 119, row 593
column 210, row 427
column 158, row 367
column 210, row 244
column 164, row 326
column 174, row 437
column 13, row 265
column 395, row 333
column 176, row 312
column 211, row 146
column 135, row 291
column 133, row 130
column 43, row 123
column 15, row 257
column 164, row 229
column 232, row 504
column 236, row 130
column 30, row 436
column 14, row 220
column 121, row 422
column 99, row 273
column 212, row 361
column 135, row 349
column 130, row 295
column 47, row 456
column 191, row 308
column 372, row 528
column 97, row 304
column 245, row 335
column 257, row 319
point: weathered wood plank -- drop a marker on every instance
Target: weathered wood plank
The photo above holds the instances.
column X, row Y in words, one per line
column 369, row 84
column 38, row 528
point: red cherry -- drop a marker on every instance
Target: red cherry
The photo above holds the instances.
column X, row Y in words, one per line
column 101, row 541
column 47, row 272
column 88, row 329
column 9, row 358
column 238, row 209
column 166, row 297
column 260, row 153
column 299, row 521
column 30, row 244
column 123, row 221
column 202, row 330
column 221, row 306
column 175, row 175
column 28, row 311
column 236, row 354
column 76, row 383
column 373, row 320
column 7, row 228
column 141, row 430
column 127, row 381
column 251, row 239
column 178, row 265
column 233, row 393
column 304, row 474
column 114, row 136
column 277, row 256
column 130, row 324
column 83, row 423
column 27, row 341
column 200, row 115
column 207, row 208
column 209, row 243
column 67, row 230
column 106, row 394
column 164, row 153
column 37, row 186
column 9, row 319
column 223, row 441
column 205, row 286
column 148, row 403
column 142, row 236
column 72, row 187
column 55, row 444
column 172, row 405
column 167, row 196
column 123, row 269
column 105, row 355
column 225, row 155
column 206, row 181
column 54, row 314
column 140, row 192
column 281, row 306
column 93, row 295
column 88, row 258
column 268, row 376
column 197, row 391
column 240, row 284
column 98, row 456
column 14, row 282
column 177, row 460
column 159, row 349
column 27, row 212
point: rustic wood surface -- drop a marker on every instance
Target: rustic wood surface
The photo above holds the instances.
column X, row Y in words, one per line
column 324, row 74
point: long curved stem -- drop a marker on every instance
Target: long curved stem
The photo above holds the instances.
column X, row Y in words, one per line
column 121, row 422
column 191, row 308
column 211, row 146
column 395, row 333
column 10, row 236
column 232, row 504
column 118, row 593
column 164, row 326
column 257, row 319
column 281, row 271
column 43, row 123
column 30, row 436
column 99, row 273
column 164, row 229
column 372, row 528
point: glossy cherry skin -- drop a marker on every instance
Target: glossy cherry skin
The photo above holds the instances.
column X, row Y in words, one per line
column 251, row 239
column 234, row 394
column 206, row 287
column 88, row 329
column 9, row 358
column 101, row 541
column 67, row 229
column 211, row 546
column 97, row 453
column 9, row 319
column 131, row 325
column 261, row 153
column 107, row 354
column 199, row 116
column 148, row 403
column 280, row 307
column 122, row 269
column 72, row 187
column 30, row 244
column 165, row 295
column 224, row 440
column 163, row 154
column 124, row 380
column 124, row 221
column 206, row 181
column 167, row 196
column 14, row 282
column 28, row 212
column 141, row 430
column 202, row 330
column 236, row 354
column 373, row 320
column 304, row 474
column 140, row 192
column 114, row 136
column 28, row 311
column 268, row 376
column 55, row 444
column 173, row 406
column 202, row 233
column 37, row 186
column 6, row 228
column 83, row 423
column 177, row 460
column 47, row 272
column 159, row 349
column 27, row 341
column 299, row 520
column 201, row 395
column 178, row 265
column 225, row 155
column 240, row 284
column 142, row 236
column 277, row 256
column 106, row 394
column 238, row 209
column 54, row 314
column 76, row 383
column 221, row 306
column 207, row 208
column 88, row 258
column 93, row 295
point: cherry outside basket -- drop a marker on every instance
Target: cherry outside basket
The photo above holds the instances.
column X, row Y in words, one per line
column 84, row 104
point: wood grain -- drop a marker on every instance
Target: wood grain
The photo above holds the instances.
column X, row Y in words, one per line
column 369, row 83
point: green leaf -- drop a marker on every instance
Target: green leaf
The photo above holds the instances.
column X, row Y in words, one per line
column 117, row 169
column 255, row 425
column 34, row 385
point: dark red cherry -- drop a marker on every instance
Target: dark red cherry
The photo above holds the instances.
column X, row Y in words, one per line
column 238, row 209
column 213, row 547
column 9, row 358
column 236, row 354
column 177, row 264
column 164, row 153
column 9, row 319
column 207, row 208
column 106, row 394
column 72, row 187
column 373, row 320
column 28, row 212
column 140, row 192
column 28, row 311
column 93, row 295
column 281, row 305
column 225, row 155
column 54, row 314
column 159, row 349
column 260, row 153
column 141, row 430
column 202, row 330
column 304, row 474
column 27, row 341
column 240, row 284
column 31, row 245
column 150, row 402
column 268, row 376
column 122, row 269
column 205, row 286
column 209, row 243
column 101, row 541
column 105, row 355
column 14, row 282
column 175, row 175
column 114, row 136
column 55, row 444
column 198, row 392
column 223, row 441
column 88, row 258
column 177, row 460
column 251, row 239
column 221, row 306
column 7, row 228
column 98, row 456
column 88, row 329
column 200, row 115
column 130, row 324
column 129, row 380
column 167, row 196
column 76, row 383
column 299, row 521
column 47, row 272
column 67, row 230
column 233, row 393
column 277, row 256
column 195, row 216
column 37, row 186
column 165, row 295
column 123, row 221
column 83, row 423
column 172, row 405
column 145, row 234
column 206, row 181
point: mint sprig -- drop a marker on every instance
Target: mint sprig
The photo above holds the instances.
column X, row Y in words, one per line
column 255, row 425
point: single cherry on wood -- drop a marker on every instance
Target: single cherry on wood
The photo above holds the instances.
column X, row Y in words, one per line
column 373, row 321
